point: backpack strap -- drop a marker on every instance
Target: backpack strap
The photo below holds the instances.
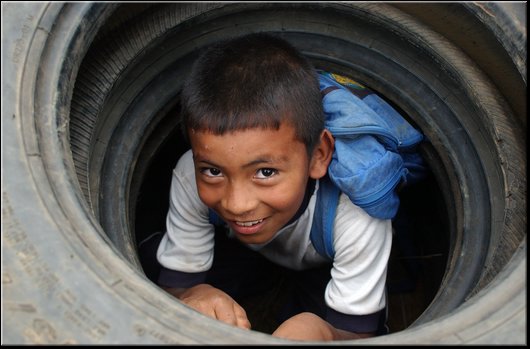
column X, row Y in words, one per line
column 324, row 217
column 214, row 219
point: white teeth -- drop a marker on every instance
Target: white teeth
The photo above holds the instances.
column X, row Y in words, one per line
column 249, row 224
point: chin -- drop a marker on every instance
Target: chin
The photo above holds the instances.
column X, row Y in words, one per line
column 252, row 239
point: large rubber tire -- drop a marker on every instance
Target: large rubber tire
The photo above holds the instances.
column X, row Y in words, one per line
column 77, row 84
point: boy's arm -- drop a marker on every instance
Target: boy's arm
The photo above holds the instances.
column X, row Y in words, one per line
column 310, row 327
column 212, row 302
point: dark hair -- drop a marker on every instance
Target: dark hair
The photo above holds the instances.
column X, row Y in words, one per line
column 253, row 81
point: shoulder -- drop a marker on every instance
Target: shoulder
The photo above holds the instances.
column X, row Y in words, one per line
column 185, row 164
column 184, row 171
column 353, row 224
column 183, row 184
column 347, row 211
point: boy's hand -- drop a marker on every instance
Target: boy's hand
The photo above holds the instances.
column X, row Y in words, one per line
column 310, row 327
column 214, row 303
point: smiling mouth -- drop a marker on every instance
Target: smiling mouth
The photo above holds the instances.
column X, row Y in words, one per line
column 249, row 223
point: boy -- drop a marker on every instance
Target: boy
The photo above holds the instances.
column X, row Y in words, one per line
column 253, row 112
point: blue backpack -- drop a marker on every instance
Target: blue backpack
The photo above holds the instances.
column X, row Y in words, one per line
column 375, row 151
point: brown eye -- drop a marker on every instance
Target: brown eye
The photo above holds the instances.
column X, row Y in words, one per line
column 266, row 173
column 211, row 171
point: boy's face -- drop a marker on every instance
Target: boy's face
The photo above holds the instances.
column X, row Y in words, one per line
column 254, row 179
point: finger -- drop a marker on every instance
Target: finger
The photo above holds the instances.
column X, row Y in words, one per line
column 224, row 311
column 241, row 317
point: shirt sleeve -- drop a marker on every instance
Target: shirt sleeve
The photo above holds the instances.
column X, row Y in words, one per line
column 186, row 249
column 358, row 276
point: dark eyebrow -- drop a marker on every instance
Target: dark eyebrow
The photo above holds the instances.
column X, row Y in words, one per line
column 205, row 161
column 258, row 161
column 264, row 160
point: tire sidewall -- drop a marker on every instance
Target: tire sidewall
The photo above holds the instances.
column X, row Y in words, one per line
column 50, row 237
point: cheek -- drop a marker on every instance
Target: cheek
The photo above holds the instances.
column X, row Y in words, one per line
column 208, row 196
column 288, row 197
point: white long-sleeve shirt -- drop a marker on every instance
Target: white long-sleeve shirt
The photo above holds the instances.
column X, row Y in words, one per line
column 362, row 245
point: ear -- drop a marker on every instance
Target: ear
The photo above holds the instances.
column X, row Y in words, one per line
column 321, row 156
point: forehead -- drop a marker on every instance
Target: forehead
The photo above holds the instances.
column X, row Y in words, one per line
column 276, row 144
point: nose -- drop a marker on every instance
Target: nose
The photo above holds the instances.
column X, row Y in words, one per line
column 239, row 200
